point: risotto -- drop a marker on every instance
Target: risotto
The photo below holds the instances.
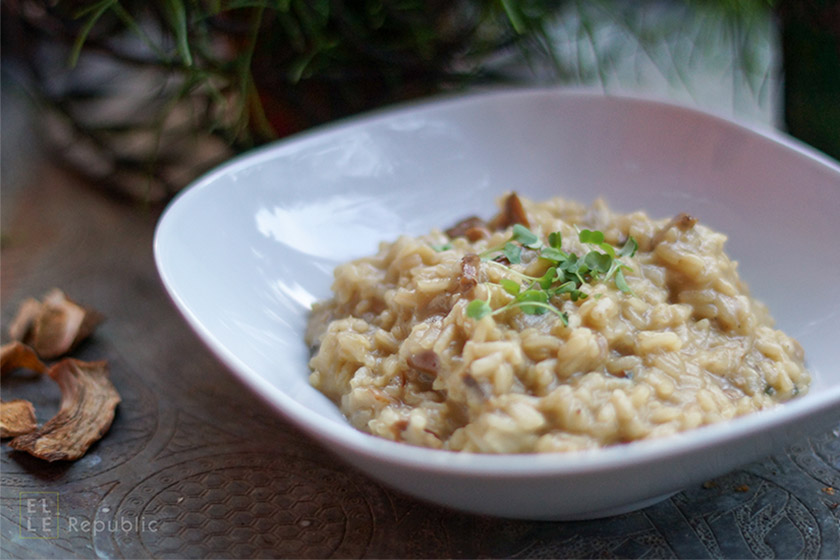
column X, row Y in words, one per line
column 552, row 327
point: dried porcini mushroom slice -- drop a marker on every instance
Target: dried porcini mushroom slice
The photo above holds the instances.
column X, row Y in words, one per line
column 26, row 316
column 88, row 402
column 53, row 326
column 468, row 279
column 17, row 355
column 512, row 213
column 681, row 221
column 475, row 228
column 17, row 417
column 469, row 228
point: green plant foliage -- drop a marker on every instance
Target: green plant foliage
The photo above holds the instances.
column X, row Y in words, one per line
column 243, row 72
column 295, row 63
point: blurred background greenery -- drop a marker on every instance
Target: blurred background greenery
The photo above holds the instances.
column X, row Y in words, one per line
column 144, row 96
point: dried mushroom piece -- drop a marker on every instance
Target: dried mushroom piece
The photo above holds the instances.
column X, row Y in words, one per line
column 473, row 228
column 26, row 316
column 468, row 279
column 88, row 402
column 53, row 326
column 17, row 355
column 681, row 221
column 426, row 361
column 17, row 417
column 512, row 213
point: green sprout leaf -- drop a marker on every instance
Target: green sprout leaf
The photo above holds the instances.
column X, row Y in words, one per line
column 565, row 288
column 479, row 308
column 588, row 236
column 548, row 278
column 608, row 249
column 621, row 283
column 571, row 264
column 570, row 288
column 526, row 237
column 599, row 262
column 553, row 254
column 629, row 249
column 513, row 253
column 510, row 286
column 529, row 296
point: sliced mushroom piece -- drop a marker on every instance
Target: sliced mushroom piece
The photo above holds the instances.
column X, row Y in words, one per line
column 425, row 367
column 473, row 228
column 17, row 355
column 17, row 417
column 53, row 326
column 88, row 403
column 512, row 213
column 426, row 361
column 681, row 221
column 476, row 233
column 468, row 278
column 27, row 314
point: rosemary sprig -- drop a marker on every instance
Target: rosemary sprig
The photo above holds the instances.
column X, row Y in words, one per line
column 566, row 274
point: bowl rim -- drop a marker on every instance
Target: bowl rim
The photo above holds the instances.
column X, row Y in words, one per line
column 348, row 438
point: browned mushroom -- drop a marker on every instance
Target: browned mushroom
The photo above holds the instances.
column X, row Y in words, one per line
column 17, row 355
column 21, row 325
column 88, row 402
column 17, row 417
column 53, row 326
column 426, row 361
column 681, row 221
column 473, row 228
column 425, row 366
column 468, row 279
column 512, row 213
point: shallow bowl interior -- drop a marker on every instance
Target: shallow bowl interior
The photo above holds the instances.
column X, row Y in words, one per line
column 245, row 250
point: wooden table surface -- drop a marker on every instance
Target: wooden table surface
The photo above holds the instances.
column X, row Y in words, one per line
column 195, row 466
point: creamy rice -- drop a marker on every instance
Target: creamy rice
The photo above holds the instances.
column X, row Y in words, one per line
column 397, row 351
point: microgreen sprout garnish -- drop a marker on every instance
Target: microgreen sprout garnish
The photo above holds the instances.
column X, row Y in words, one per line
column 521, row 238
column 532, row 302
column 565, row 275
column 440, row 248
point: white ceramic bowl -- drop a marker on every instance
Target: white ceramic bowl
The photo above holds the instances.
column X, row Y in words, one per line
column 245, row 250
